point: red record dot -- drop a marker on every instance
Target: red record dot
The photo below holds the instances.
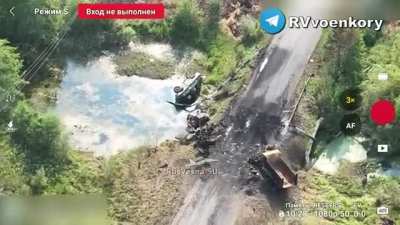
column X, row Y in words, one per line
column 383, row 112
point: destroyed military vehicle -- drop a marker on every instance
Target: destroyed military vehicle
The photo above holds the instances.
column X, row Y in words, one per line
column 201, row 132
column 187, row 94
column 271, row 165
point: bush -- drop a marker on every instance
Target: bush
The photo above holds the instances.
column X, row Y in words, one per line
column 250, row 30
column 38, row 136
column 222, row 58
column 371, row 36
column 150, row 30
column 210, row 27
column 12, row 179
column 126, row 34
column 10, row 67
column 386, row 190
column 39, row 181
column 186, row 24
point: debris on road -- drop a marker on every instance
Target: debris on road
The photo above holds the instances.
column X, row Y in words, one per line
column 201, row 132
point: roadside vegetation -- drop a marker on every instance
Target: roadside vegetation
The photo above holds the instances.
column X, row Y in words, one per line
column 353, row 59
column 35, row 157
column 360, row 200
column 348, row 59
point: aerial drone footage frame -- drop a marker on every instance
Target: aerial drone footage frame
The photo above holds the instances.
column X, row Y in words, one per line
column 199, row 112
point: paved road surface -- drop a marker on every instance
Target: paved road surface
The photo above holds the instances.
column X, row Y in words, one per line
column 254, row 119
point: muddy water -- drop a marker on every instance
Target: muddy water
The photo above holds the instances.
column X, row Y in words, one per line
column 106, row 113
column 348, row 149
column 343, row 148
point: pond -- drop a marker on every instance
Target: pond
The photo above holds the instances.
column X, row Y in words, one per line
column 342, row 148
column 105, row 113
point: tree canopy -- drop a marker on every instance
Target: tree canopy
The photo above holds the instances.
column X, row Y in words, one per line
column 383, row 57
column 10, row 80
column 186, row 25
column 38, row 135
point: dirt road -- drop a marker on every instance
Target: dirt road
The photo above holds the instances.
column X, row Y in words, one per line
column 255, row 119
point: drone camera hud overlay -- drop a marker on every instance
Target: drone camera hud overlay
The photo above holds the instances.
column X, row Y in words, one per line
column 199, row 112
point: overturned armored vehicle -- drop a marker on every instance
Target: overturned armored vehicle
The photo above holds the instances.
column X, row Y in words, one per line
column 188, row 93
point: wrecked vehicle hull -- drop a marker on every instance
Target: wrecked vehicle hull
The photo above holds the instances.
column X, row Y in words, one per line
column 188, row 94
column 270, row 164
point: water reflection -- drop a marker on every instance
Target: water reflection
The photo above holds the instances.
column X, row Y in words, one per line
column 106, row 112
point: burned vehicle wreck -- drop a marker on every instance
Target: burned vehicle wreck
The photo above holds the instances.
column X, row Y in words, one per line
column 271, row 165
column 187, row 94
column 201, row 132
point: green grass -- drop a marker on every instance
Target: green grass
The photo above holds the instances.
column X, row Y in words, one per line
column 222, row 59
column 226, row 54
column 352, row 196
column 141, row 64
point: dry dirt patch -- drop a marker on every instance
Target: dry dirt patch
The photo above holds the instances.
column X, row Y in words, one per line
column 141, row 188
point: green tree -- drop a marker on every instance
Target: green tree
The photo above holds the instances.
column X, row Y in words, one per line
column 86, row 37
column 186, row 24
column 10, row 80
column 38, row 136
column 30, row 32
column 371, row 36
column 210, row 29
column 382, row 57
column 146, row 30
column 250, row 30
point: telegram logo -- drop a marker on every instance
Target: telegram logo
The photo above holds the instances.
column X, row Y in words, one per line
column 272, row 20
